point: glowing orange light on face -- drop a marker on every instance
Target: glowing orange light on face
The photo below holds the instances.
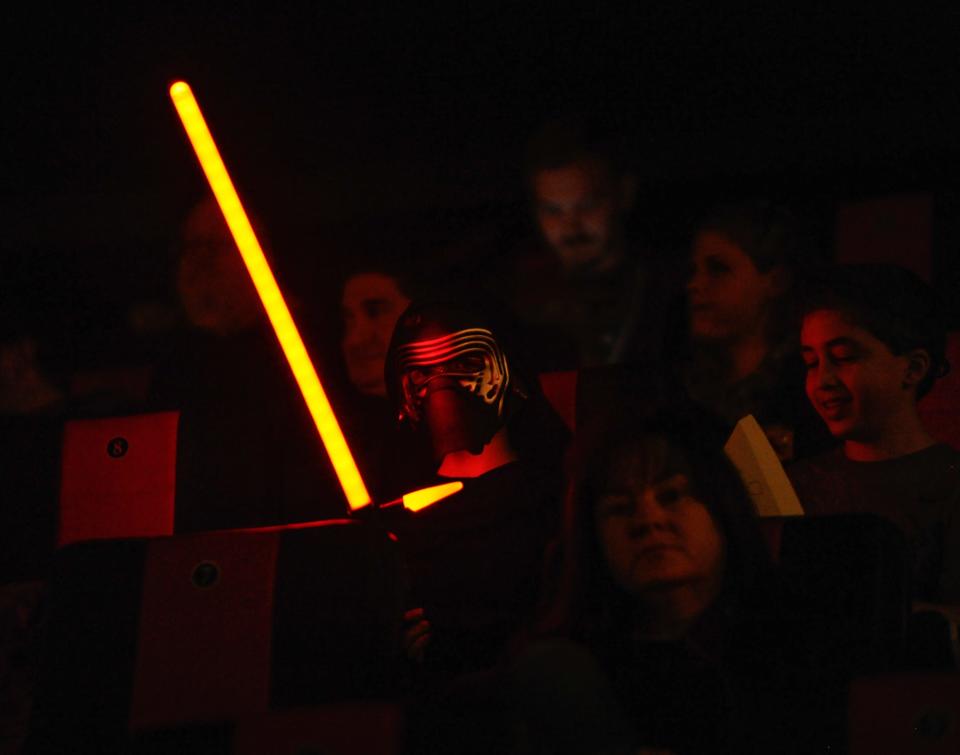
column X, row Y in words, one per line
column 270, row 295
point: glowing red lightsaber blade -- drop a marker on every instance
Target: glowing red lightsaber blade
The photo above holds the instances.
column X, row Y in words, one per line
column 273, row 302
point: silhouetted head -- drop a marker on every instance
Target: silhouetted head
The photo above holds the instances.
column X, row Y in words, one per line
column 580, row 194
column 213, row 284
column 657, row 520
column 743, row 263
column 873, row 340
column 449, row 375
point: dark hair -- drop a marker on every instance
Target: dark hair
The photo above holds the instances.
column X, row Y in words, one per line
column 587, row 604
column 398, row 256
column 768, row 232
column 895, row 305
column 772, row 237
column 408, row 283
column 568, row 139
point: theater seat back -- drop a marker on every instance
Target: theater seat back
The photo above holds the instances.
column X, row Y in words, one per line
column 940, row 409
column 893, row 714
column 560, row 390
column 355, row 728
column 215, row 626
column 850, row 577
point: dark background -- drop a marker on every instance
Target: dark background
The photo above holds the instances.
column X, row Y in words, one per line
column 415, row 118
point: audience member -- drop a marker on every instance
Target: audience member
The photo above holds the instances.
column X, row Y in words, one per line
column 743, row 354
column 873, row 340
column 25, row 386
column 33, row 407
column 248, row 454
column 371, row 302
column 476, row 557
column 32, row 410
column 668, row 627
column 589, row 294
column 392, row 458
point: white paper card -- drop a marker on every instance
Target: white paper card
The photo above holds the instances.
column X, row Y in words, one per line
column 762, row 473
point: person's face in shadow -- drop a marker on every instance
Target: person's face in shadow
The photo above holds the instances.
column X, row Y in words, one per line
column 24, row 386
column 727, row 295
column 855, row 382
column 655, row 535
column 215, row 289
column 578, row 210
column 371, row 305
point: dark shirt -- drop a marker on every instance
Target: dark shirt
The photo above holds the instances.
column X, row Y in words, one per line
column 919, row 492
column 248, row 454
column 30, row 470
column 475, row 562
column 774, row 396
column 593, row 318
column 393, row 459
column 732, row 685
column 773, row 393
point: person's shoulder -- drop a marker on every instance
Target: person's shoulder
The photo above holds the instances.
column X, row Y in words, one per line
column 937, row 466
column 939, row 461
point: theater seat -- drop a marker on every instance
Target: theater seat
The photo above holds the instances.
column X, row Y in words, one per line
column 356, row 728
column 211, row 627
column 933, row 637
column 560, row 390
column 849, row 577
column 940, row 409
column 896, row 714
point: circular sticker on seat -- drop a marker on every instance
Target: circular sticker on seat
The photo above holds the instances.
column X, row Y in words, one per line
column 933, row 724
column 205, row 575
column 117, row 447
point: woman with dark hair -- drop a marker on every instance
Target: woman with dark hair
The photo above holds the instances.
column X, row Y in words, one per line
column 644, row 453
column 664, row 630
